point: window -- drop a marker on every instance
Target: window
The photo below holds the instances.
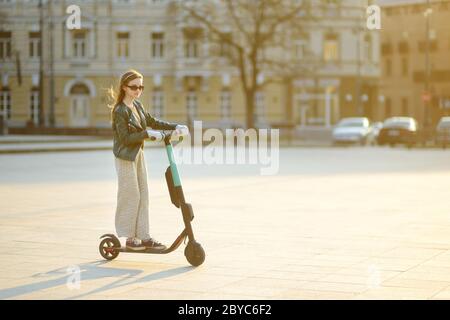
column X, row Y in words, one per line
column 386, row 49
column 225, row 47
column 191, row 49
column 432, row 45
column 157, row 45
column 260, row 106
column 5, row 103
column 5, row 45
column 417, row 9
column 388, row 66
column 368, row 48
column 192, row 43
column 300, row 46
column 158, row 103
column 331, row 48
column 34, row 106
column 331, row 8
column 79, row 44
column 405, row 66
column 403, row 47
column 79, row 105
column 225, row 104
column 123, row 45
column 191, row 104
column 34, row 44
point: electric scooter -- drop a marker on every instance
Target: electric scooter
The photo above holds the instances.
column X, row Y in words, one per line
column 110, row 246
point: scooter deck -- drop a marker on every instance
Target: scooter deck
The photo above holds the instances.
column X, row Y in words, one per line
column 147, row 250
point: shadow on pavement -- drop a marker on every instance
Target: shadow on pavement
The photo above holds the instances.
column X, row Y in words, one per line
column 91, row 271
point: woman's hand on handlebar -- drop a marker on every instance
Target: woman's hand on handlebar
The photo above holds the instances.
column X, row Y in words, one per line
column 179, row 131
column 155, row 135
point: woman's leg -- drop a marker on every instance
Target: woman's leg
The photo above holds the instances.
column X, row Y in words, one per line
column 127, row 198
column 142, row 222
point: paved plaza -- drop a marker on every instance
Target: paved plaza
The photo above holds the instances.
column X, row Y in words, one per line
column 334, row 223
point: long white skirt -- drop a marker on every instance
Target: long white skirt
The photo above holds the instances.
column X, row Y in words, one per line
column 132, row 198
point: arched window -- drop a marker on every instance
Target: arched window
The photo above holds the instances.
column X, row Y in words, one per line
column 79, row 88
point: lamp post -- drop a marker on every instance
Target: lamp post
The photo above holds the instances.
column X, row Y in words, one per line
column 359, row 108
column 51, row 66
column 427, row 97
column 41, row 63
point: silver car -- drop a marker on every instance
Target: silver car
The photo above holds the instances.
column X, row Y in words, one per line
column 352, row 130
column 443, row 132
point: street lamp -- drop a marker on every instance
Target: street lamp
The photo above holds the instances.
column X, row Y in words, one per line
column 51, row 65
column 41, row 63
column 359, row 109
column 427, row 97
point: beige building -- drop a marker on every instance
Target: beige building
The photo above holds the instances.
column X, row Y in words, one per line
column 404, row 54
column 183, row 80
column 347, row 60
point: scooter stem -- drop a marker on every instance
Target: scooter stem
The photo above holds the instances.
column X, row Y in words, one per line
column 178, row 194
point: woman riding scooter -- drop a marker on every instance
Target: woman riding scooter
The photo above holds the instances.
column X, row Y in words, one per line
column 129, row 123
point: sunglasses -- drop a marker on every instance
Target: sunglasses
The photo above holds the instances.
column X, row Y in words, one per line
column 134, row 88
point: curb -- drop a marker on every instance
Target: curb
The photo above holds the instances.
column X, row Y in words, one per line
column 41, row 150
column 100, row 148
column 10, row 142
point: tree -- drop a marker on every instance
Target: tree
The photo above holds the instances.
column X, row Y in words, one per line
column 255, row 37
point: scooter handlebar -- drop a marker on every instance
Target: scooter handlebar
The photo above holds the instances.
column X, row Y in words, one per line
column 155, row 135
column 160, row 135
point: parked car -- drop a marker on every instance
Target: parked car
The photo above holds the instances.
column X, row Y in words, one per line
column 351, row 130
column 374, row 132
column 443, row 132
column 398, row 130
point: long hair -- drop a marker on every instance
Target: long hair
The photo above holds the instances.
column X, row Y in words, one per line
column 117, row 95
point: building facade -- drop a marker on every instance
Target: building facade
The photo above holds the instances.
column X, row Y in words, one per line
column 183, row 82
column 345, row 79
column 407, row 89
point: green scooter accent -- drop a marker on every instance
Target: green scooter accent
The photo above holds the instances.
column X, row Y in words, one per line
column 173, row 166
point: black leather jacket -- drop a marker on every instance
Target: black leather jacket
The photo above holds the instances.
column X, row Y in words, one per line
column 129, row 133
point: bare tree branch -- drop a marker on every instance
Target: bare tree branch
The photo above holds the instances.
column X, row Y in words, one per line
column 258, row 29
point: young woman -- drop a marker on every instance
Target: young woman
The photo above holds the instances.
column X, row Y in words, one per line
column 129, row 123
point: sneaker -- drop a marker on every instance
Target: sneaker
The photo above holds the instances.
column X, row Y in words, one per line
column 133, row 244
column 153, row 244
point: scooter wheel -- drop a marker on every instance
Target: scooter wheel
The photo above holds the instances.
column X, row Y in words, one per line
column 194, row 253
column 107, row 249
